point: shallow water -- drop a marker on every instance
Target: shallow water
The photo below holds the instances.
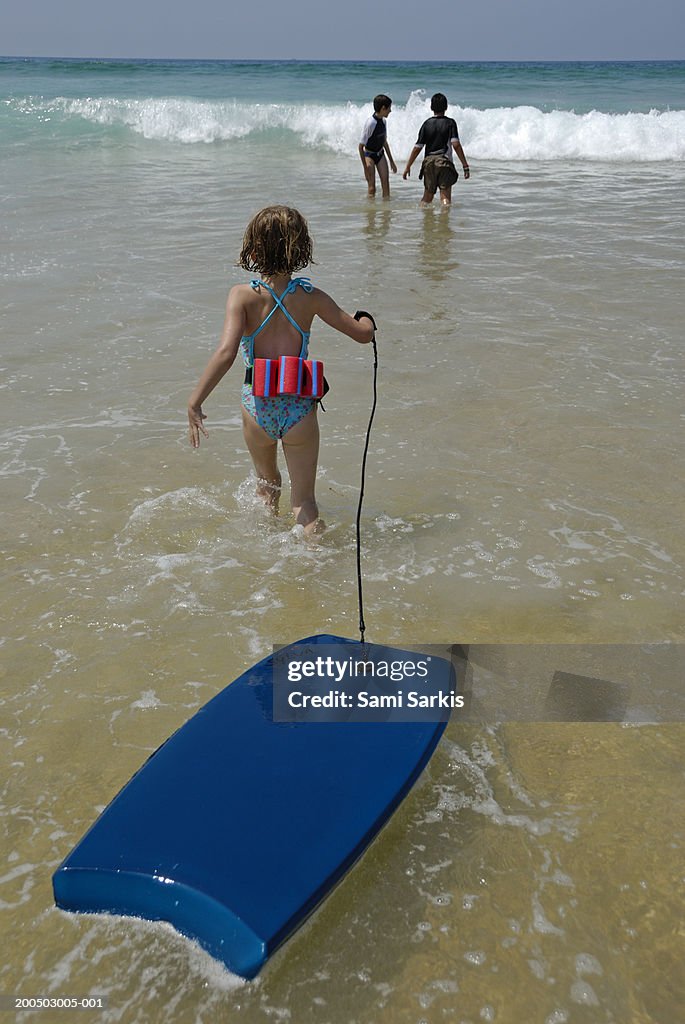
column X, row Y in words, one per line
column 522, row 488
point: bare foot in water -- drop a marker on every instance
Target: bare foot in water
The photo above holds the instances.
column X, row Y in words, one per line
column 270, row 494
column 315, row 529
column 307, row 516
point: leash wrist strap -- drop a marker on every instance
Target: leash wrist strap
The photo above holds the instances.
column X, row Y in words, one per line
column 362, row 312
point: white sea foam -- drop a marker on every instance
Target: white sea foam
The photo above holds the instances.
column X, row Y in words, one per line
column 517, row 133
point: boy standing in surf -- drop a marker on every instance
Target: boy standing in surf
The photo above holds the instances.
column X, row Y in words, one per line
column 373, row 146
column 266, row 319
column 440, row 135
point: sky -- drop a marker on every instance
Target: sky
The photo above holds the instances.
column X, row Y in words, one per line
column 348, row 30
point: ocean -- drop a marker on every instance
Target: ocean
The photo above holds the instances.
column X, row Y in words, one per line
column 522, row 496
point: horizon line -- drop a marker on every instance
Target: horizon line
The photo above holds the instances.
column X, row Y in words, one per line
column 354, row 60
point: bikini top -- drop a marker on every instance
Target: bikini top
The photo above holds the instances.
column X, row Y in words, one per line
column 247, row 341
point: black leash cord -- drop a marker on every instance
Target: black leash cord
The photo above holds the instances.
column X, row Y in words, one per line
column 362, row 627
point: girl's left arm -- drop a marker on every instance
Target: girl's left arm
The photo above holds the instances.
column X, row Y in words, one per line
column 331, row 314
column 219, row 364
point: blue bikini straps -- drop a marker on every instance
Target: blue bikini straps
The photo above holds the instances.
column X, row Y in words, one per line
column 306, row 285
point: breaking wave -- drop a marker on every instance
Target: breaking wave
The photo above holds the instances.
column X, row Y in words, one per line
column 519, row 133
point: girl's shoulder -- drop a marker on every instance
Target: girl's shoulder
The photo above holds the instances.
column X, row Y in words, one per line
column 314, row 295
column 252, row 292
column 241, row 295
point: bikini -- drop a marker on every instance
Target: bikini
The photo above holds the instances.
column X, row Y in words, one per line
column 279, row 414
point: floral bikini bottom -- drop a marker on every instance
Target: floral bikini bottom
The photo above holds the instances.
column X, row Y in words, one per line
column 276, row 415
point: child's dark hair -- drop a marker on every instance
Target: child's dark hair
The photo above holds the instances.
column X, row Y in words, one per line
column 276, row 241
column 381, row 101
column 438, row 103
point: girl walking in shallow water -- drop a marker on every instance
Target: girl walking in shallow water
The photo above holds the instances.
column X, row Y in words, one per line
column 268, row 318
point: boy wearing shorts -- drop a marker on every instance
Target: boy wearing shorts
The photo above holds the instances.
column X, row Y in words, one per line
column 440, row 135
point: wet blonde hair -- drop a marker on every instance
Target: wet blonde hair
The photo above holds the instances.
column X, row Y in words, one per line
column 276, row 241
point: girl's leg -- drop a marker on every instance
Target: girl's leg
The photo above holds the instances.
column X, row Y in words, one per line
column 446, row 195
column 301, row 450
column 263, row 450
column 427, row 198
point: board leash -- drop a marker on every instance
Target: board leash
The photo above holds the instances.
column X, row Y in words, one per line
column 360, row 593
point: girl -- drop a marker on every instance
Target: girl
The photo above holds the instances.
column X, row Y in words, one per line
column 266, row 319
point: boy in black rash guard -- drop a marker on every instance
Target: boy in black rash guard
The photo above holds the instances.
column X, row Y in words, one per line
column 373, row 146
column 439, row 134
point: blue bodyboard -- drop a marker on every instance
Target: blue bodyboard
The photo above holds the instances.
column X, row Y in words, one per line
column 238, row 826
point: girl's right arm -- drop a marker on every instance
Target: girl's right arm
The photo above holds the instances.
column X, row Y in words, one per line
column 219, row 364
column 330, row 312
